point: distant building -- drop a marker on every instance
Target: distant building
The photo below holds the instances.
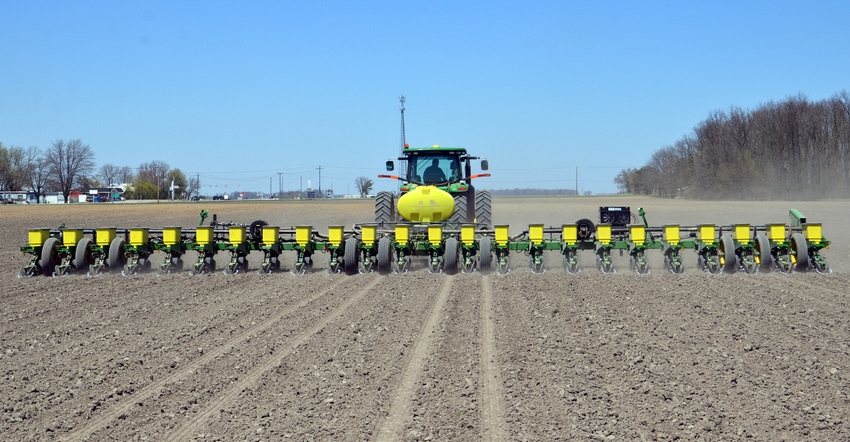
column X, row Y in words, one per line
column 16, row 197
column 99, row 194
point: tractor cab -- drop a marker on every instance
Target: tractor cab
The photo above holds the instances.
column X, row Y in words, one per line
column 444, row 167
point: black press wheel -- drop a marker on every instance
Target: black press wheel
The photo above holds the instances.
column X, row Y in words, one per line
column 82, row 256
column 727, row 253
column 763, row 252
column 176, row 264
column 450, row 256
column 485, row 255
column 242, row 263
column 384, row 254
column 209, row 264
column 800, row 248
column 349, row 259
column 49, row 256
column 116, row 258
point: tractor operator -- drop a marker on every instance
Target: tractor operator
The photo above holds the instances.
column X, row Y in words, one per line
column 434, row 174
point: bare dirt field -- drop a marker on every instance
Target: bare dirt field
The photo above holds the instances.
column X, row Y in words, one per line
column 418, row 356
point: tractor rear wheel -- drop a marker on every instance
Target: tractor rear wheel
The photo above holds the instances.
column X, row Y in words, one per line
column 384, row 208
column 49, row 256
column 459, row 216
column 82, row 256
column 349, row 259
column 727, row 253
column 450, row 256
column 483, row 212
column 801, row 251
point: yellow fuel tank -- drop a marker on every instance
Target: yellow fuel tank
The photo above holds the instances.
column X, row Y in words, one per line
column 426, row 204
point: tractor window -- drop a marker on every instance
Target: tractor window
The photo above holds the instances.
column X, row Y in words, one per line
column 434, row 169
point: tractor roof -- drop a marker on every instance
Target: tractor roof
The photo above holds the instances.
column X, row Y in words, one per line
column 435, row 149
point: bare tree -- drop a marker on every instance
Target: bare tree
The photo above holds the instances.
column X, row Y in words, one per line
column 363, row 185
column 12, row 167
column 38, row 171
column 622, row 180
column 109, row 173
column 17, row 168
column 69, row 163
column 193, row 185
column 124, row 175
column 4, row 166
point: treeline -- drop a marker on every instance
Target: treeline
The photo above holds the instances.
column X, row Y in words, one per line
column 795, row 148
column 533, row 192
column 68, row 165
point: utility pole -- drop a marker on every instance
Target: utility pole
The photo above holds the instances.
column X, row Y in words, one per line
column 577, row 181
column 280, row 185
column 321, row 195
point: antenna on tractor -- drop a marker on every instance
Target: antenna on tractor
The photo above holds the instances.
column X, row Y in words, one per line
column 402, row 99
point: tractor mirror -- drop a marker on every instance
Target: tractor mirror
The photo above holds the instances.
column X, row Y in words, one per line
column 390, row 165
column 485, row 165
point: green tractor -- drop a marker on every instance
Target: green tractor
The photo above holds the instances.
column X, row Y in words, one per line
column 436, row 170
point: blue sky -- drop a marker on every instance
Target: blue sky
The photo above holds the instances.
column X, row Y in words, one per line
column 241, row 91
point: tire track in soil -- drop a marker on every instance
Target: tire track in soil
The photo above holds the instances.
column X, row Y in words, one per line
column 187, row 431
column 401, row 401
column 93, row 349
column 151, row 389
column 492, row 414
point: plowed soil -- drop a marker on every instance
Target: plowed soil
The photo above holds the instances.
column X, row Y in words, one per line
column 421, row 356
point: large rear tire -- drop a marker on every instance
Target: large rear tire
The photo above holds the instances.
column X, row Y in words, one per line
column 116, row 258
column 459, row 216
column 450, row 256
column 82, row 256
column 49, row 256
column 349, row 259
column 483, row 211
column 727, row 253
column 801, row 252
column 384, row 208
